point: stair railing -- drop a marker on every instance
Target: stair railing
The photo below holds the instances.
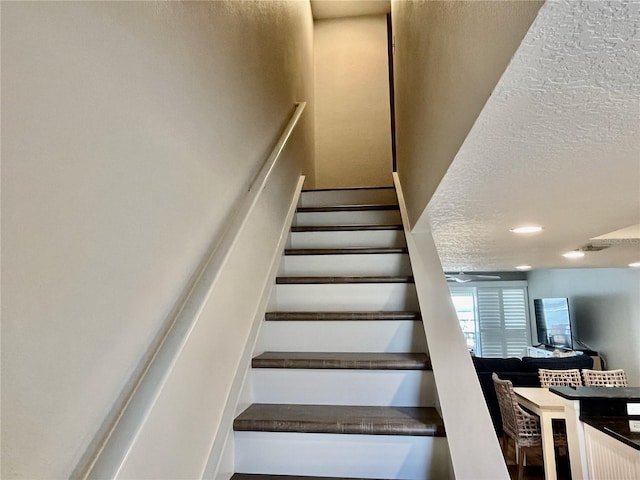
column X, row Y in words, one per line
column 106, row 460
column 473, row 443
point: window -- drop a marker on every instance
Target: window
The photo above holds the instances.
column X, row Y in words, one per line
column 464, row 300
column 494, row 319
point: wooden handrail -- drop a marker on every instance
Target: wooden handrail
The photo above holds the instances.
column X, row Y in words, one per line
column 109, row 457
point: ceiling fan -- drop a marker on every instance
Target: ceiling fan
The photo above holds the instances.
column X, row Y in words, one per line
column 462, row 277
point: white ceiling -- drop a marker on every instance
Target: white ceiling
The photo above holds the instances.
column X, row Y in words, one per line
column 323, row 9
column 557, row 144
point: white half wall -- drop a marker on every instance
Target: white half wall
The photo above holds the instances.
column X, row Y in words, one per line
column 130, row 130
column 605, row 306
column 353, row 123
column 473, row 445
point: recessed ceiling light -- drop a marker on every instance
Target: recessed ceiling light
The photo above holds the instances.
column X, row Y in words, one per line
column 523, row 267
column 573, row 254
column 527, row 229
column 635, row 265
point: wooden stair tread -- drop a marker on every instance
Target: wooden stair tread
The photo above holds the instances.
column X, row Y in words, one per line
column 344, row 316
column 343, row 228
column 342, row 189
column 344, row 279
column 263, row 476
column 349, row 208
column 341, row 419
column 343, row 360
column 343, row 251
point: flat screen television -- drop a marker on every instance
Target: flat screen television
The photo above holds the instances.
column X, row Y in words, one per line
column 553, row 322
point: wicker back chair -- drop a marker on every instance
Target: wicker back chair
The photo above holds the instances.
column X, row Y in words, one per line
column 517, row 424
column 607, row 378
column 559, row 378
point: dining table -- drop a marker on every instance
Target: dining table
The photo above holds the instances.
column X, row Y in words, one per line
column 547, row 406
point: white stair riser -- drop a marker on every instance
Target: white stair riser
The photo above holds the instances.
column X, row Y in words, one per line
column 329, row 198
column 347, row 456
column 359, row 238
column 399, row 388
column 355, row 265
column 365, row 217
column 346, row 297
column 342, row 336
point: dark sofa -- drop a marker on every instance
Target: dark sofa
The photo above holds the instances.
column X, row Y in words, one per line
column 522, row 373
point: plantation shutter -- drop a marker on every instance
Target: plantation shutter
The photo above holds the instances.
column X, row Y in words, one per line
column 502, row 321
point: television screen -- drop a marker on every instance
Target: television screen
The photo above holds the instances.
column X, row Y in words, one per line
column 553, row 322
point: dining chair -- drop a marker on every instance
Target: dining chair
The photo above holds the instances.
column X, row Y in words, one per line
column 559, row 378
column 605, row 378
column 519, row 425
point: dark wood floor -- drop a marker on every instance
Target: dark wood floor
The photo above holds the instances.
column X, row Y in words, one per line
column 534, row 469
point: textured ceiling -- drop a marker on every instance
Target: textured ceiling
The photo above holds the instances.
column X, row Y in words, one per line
column 557, row 144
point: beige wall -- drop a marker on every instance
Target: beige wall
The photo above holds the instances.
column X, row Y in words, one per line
column 353, row 139
column 605, row 310
column 129, row 132
column 448, row 58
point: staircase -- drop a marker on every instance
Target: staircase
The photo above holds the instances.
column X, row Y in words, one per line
column 341, row 383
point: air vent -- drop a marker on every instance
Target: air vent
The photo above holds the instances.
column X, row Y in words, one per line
column 594, row 248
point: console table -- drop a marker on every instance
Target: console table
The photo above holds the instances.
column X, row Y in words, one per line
column 541, row 352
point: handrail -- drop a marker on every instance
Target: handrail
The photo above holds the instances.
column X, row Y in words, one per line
column 109, row 457
column 473, row 444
